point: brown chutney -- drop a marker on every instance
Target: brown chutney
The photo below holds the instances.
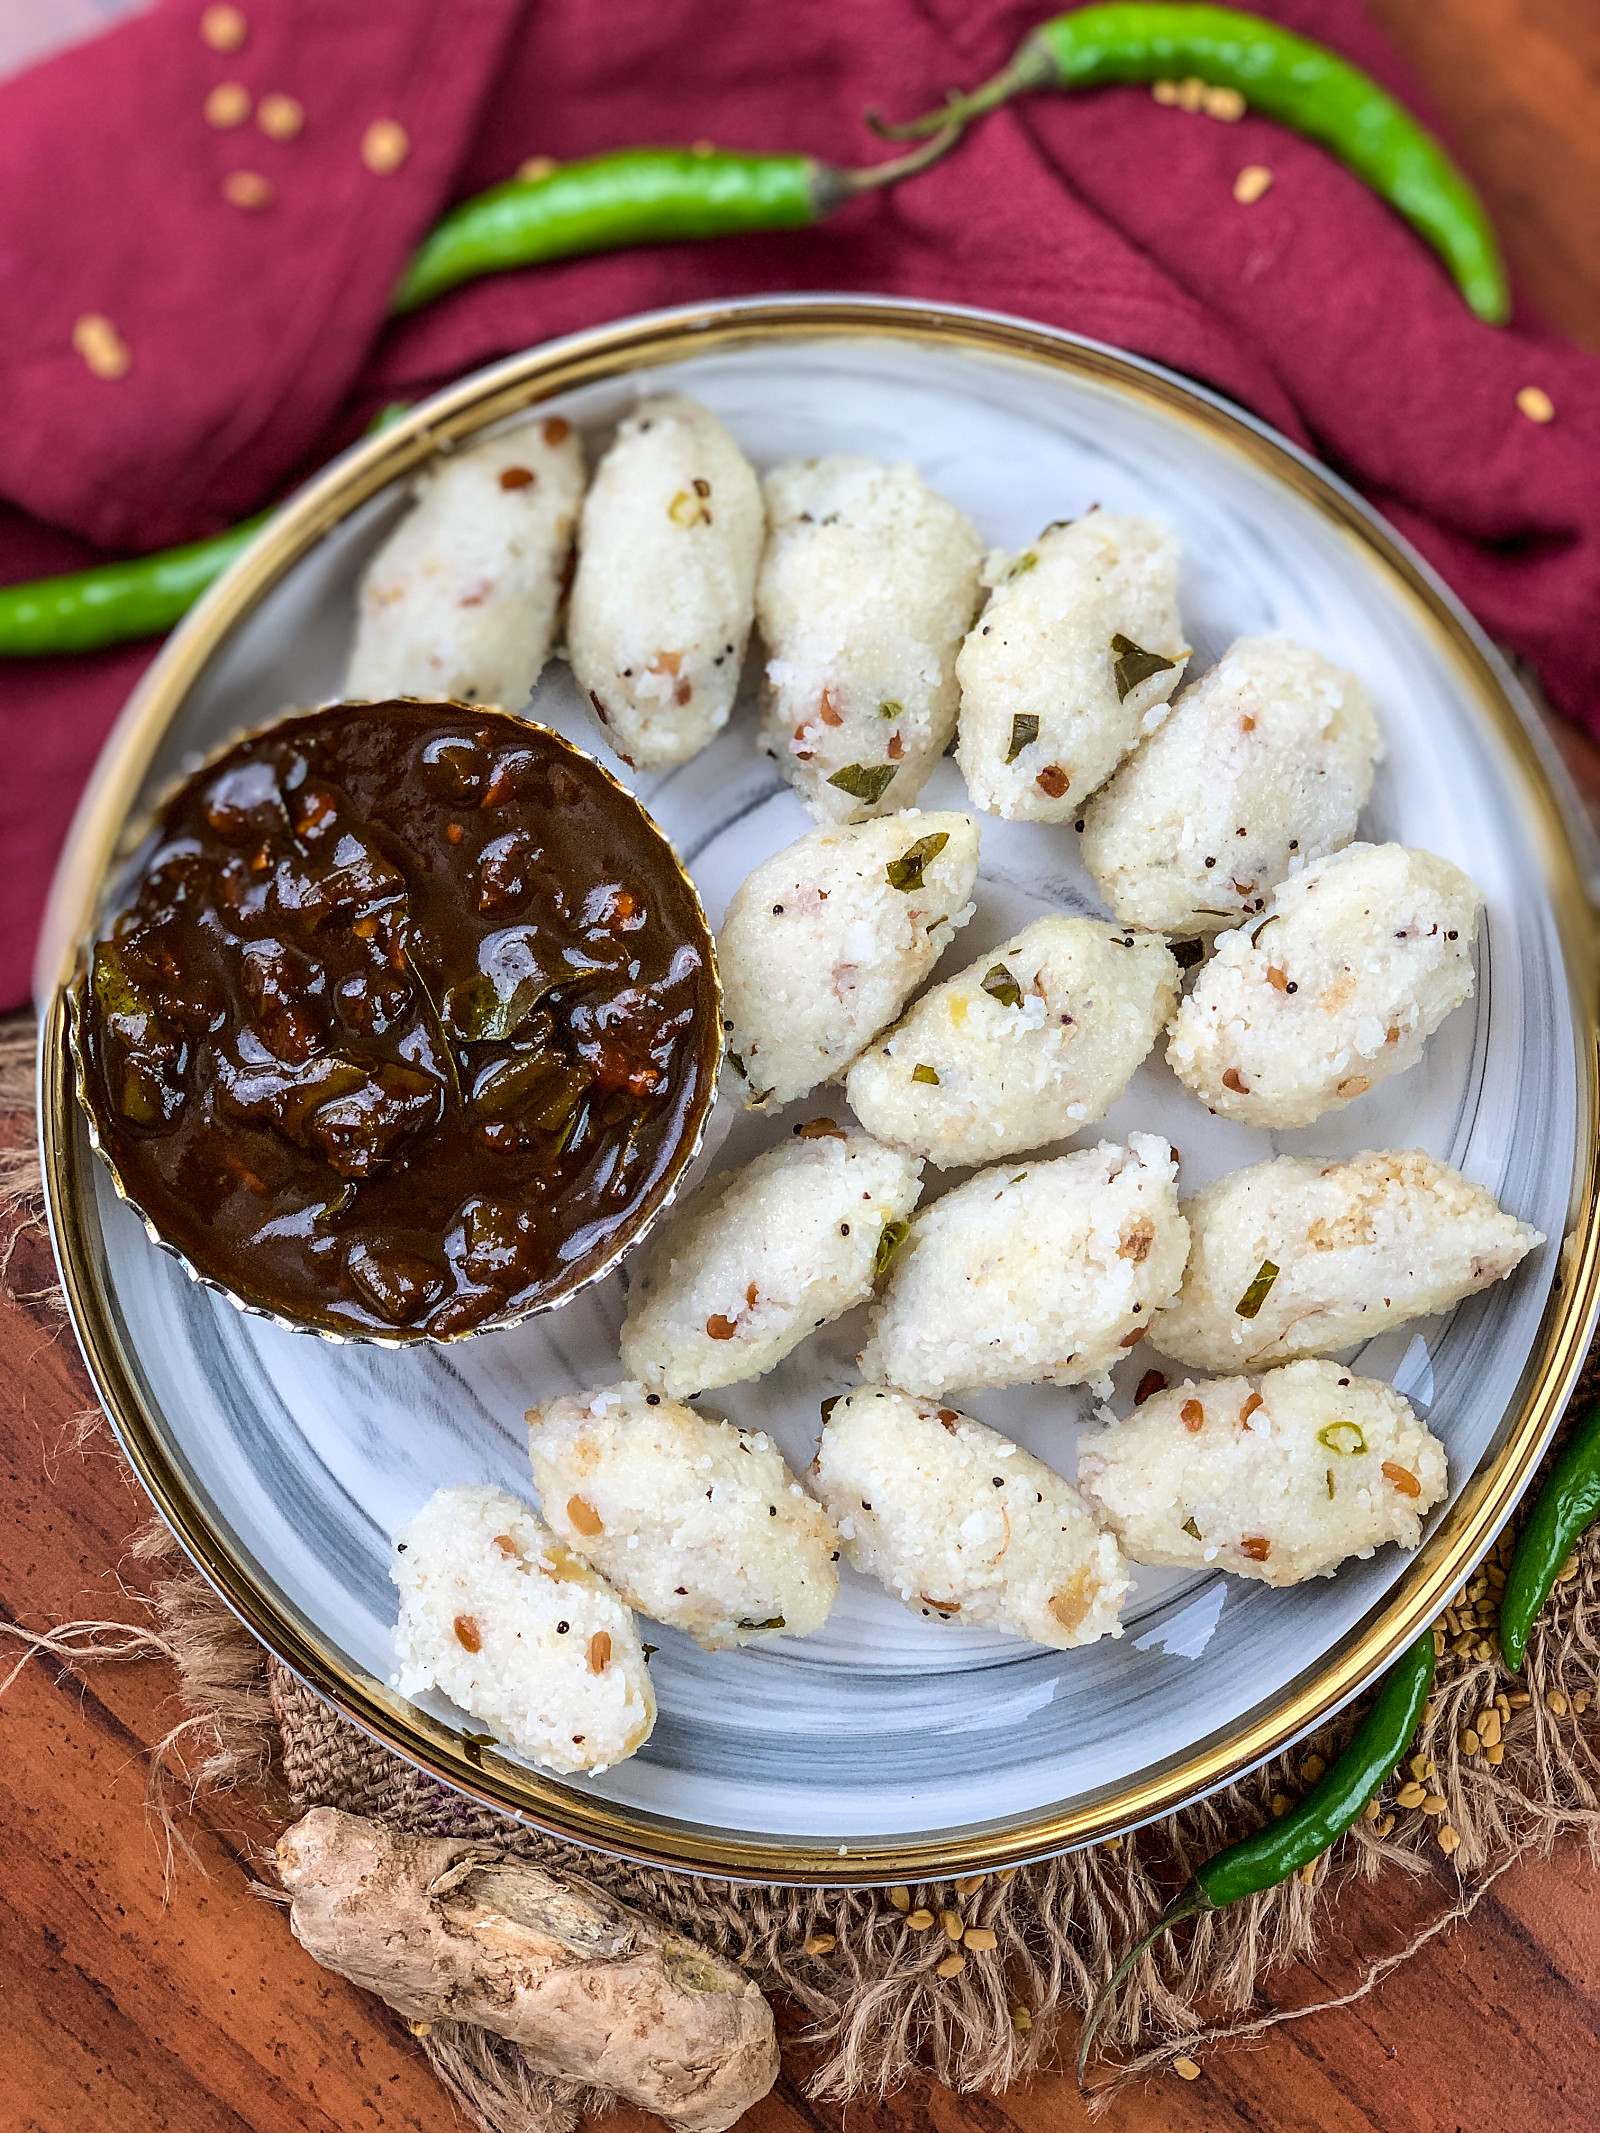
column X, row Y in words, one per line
column 402, row 1021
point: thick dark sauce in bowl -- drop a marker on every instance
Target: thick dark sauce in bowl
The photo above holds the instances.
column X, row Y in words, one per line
column 403, row 1022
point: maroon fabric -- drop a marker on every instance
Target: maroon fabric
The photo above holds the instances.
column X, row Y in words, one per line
column 257, row 337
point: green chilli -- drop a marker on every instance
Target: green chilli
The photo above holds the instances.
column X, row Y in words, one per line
column 637, row 196
column 1302, row 85
column 1283, row 1847
column 1567, row 1505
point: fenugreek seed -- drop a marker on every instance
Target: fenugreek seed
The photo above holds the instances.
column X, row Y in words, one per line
column 919, row 1921
column 954, row 1924
column 1254, row 180
column 951, row 1966
column 1484, row 1649
column 1448, row 1838
column 1519, row 1699
column 1164, row 92
column 1311, row 1769
column 1185, row 2069
column 1438, row 1642
column 1021, row 2020
column 1112, row 1844
column 420, row 2029
column 223, row 28
column 1191, row 93
column 280, row 117
column 819, row 1944
column 1556, row 1704
column 1372, row 1810
column 1468, row 1742
column 1502, row 1704
column 1495, row 1755
column 1434, row 1804
column 385, row 146
column 979, row 1939
column 1489, row 1724
column 1308, row 1873
column 1534, row 402
column 1568, row 1570
column 1280, row 1803
column 1421, row 1766
column 1006, row 1873
column 227, row 105
column 1224, row 104
column 969, row 1887
column 1580, row 1702
column 247, row 189
column 900, row 1898
column 104, row 351
column 533, row 168
column 1411, row 1795
column 1384, row 1824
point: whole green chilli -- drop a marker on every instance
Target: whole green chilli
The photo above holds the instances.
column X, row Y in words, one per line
column 631, row 196
column 87, row 609
column 1283, row 1847
column 1301, row 84
column 637, row 196
column 1567, row 1505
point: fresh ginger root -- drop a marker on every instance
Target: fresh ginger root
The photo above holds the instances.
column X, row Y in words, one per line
column 448, row 1930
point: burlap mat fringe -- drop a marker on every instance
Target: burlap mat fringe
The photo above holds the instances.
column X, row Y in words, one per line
column 875, row 2005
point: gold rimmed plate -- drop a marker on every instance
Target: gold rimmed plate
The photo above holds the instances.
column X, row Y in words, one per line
column 886, row 1746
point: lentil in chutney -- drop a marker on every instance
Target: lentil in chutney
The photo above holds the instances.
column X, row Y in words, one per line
column 405, row 1021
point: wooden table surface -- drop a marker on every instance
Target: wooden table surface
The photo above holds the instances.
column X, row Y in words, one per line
column 145, row 2004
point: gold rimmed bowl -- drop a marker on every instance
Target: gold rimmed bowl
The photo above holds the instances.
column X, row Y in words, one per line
column 886, row 1746
column 370, row 1029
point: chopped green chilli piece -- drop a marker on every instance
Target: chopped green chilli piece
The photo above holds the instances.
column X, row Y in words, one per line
column 479, row 1012
column 923, row 1072
column 889, row 708
column 1345, row 1438
column 894, row 1235
column 1187, row 953
column 738, row 1066
column 1024, row 732
column 864, row 781
column 473, row 1745
column 1192, row 1529
column 772, row 1622
column 1330, row 1485
column 1256, row 1295
column 1000, row 985
column 1134, row 664
column 1025, row 562
column 906, row 872
column 830, row 1404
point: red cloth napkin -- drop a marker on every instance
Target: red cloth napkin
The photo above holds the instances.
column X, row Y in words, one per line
column 255, row 334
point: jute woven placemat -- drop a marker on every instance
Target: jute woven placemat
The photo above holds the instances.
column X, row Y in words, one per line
column 868, row 1982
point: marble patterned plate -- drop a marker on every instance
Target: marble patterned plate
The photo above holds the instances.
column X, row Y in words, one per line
column 886, row 1744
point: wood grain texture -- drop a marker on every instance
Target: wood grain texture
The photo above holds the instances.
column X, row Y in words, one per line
column 153, row 2004
column 1518, row 84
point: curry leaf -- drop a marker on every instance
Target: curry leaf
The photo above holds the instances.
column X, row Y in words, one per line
column 864, row 781
column 1134, row 664
column 906, row 872
column 1024, row 732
